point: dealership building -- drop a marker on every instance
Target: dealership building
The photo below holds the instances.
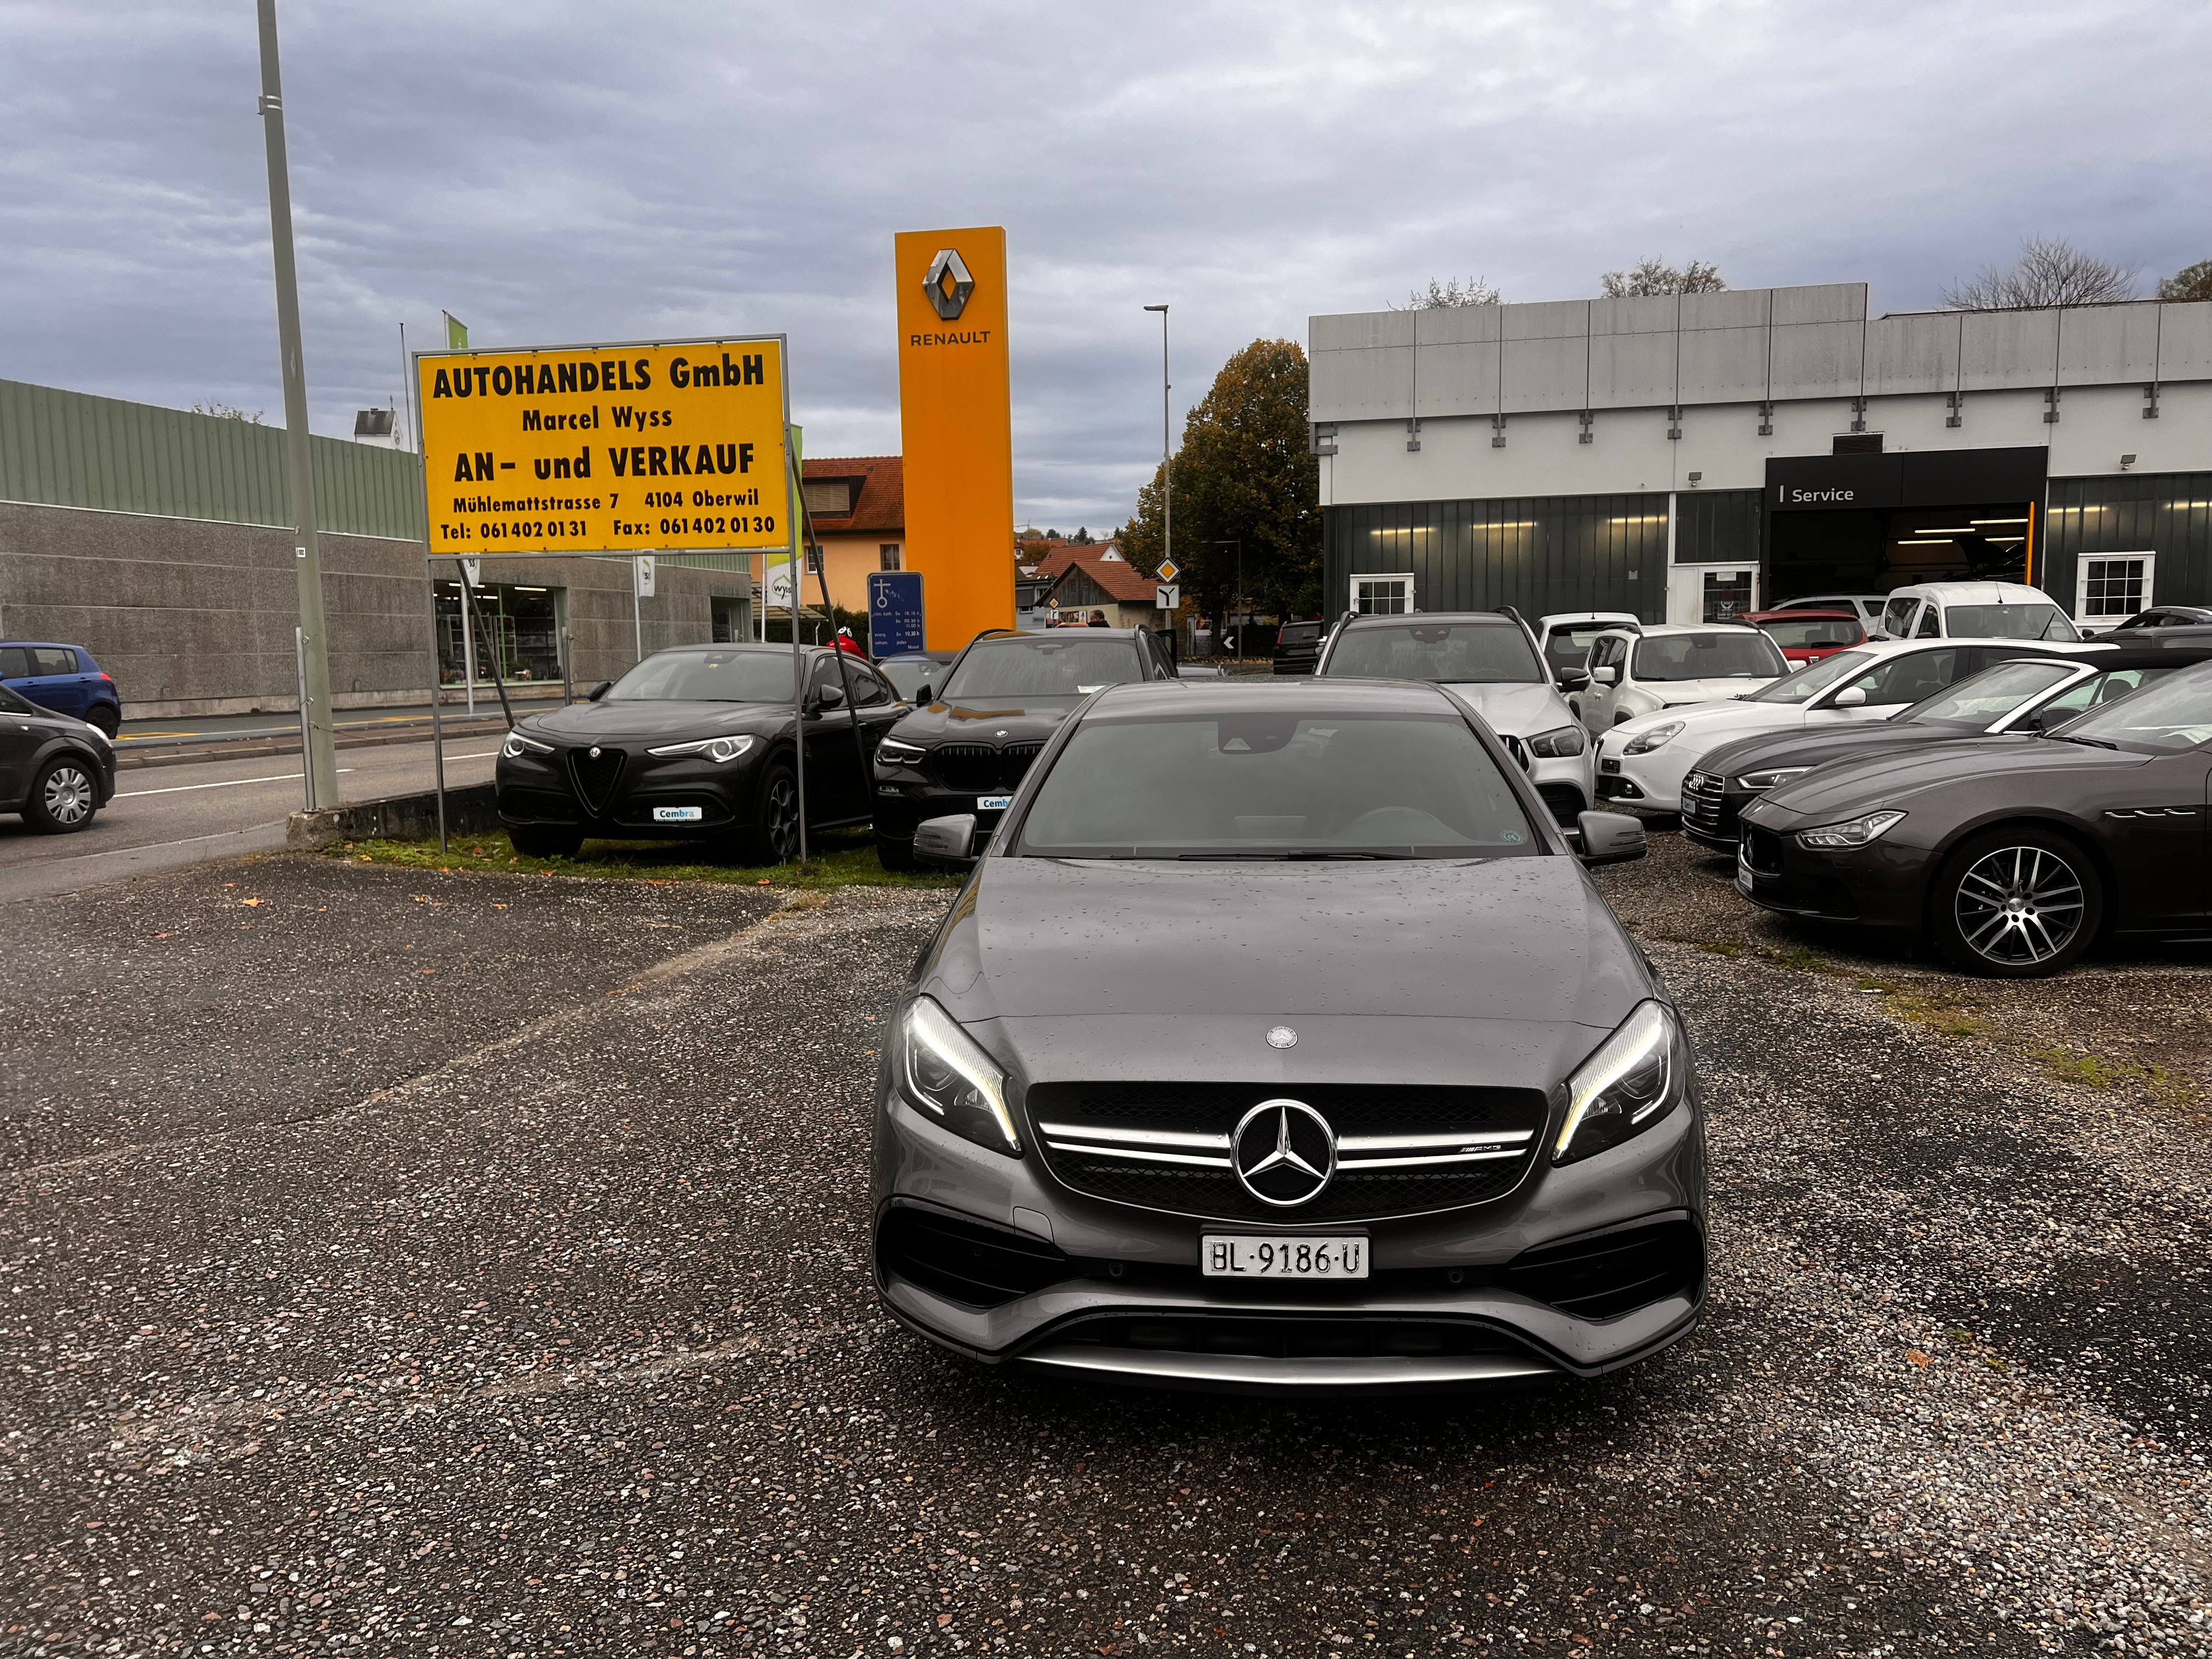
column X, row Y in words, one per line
column 1691, row 456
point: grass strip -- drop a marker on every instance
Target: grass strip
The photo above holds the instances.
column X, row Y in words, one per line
column 841, row 861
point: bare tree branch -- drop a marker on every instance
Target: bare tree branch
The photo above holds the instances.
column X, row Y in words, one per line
column 1655, row 276
column 2049, row 272
column 1451, row 292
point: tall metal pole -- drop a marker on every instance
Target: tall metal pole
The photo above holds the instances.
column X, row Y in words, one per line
column 322, row 750
column 795, row 440
column 1167, row 452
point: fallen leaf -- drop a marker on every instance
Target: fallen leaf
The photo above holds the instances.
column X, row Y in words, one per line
column 1916, row 1356
column 249, row 904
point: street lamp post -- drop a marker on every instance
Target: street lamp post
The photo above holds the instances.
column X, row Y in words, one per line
column 1167, row 470
column 1238, row 543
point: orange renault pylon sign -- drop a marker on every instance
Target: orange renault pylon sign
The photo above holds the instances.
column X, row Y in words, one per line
column 955, row 407
column 673, row 447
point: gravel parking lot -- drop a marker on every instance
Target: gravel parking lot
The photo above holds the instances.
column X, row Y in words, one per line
column 400, row 1262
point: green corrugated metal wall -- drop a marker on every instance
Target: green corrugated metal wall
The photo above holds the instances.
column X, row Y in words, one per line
column 69, row 449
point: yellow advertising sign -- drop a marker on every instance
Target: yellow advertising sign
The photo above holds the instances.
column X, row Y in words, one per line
column 671, row 448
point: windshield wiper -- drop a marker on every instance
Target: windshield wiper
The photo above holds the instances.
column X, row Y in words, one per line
column 1296, row 855
column 2092, row 743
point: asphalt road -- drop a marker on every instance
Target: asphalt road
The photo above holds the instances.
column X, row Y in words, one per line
column 411, row 1264
column 168, row 816
column 282, row 723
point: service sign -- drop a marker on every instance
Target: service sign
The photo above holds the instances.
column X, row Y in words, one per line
column 676, row 447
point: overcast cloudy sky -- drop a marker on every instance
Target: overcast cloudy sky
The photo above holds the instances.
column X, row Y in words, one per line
column 555, row 172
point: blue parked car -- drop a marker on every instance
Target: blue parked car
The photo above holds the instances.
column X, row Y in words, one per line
column 62, row 678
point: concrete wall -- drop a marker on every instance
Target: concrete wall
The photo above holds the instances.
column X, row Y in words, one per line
column 193, row 617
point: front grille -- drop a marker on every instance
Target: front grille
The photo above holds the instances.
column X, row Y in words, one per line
column 1614, row 1273
column 596, row 773
column 982, row 768
column 1762, row 851
column 1704, row 804
column 1565, row 801
column 966, row 1261
column 1165, row 1145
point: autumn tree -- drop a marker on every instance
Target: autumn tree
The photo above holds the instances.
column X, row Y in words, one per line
column 1655, row 276
column 2191, row 283
column 1244, row 473
column 2048, row 272
column 1451, row 294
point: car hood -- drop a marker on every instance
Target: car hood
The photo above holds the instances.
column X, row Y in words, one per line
column 1673, row 692
column 1000, row 720
column 1710, row 723
column 1818, row 748
column 1515, row 709
column 1871, row 782
column 626, row 722
column 1508, row 970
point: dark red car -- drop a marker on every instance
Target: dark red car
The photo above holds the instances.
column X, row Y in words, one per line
column 1809, row 635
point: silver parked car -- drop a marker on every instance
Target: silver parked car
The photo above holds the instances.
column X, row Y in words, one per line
column 1279, row 1041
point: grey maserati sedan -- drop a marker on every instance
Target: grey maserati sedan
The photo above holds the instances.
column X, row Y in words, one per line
column 1280, row 1042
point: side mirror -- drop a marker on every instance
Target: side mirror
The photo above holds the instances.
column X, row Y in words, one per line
column 1606, row 676
column 1574, row 680
column 829, row 697
column 949, row 840
column 1608, row 838
column 1852, row 696
column 598, row 690
column 923, row 693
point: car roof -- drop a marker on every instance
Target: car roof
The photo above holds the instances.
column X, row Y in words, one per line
column 1558, row 617
column 2146, row 656
column 45, row 644
column 1974, row 593
column 1457, row 618
column 1651, row 629
column 1317, row 695
column 1045, row 633
column 1803, row 613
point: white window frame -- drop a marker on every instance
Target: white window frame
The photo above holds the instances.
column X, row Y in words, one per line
column 1405, row 581
column 2081, row 587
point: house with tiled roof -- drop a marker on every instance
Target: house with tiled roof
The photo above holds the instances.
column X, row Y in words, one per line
column 1097, row 577
column 857, row 506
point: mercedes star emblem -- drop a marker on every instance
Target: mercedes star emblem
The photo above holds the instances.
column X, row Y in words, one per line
column 1282, row 1036
column 1283, row 1151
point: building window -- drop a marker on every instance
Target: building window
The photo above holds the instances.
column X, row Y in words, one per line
column 1383, row 595
column 523, row 621
column 1727, row 596
column 887, row 556
column 2108, row 586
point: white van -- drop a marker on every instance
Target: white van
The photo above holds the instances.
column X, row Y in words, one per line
column 1981, row 611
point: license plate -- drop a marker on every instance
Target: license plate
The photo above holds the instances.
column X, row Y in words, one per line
column 679, row 814
column 994, row 803
column 1247, row 1256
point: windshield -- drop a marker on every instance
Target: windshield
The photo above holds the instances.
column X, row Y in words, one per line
column 1299, row 634
column 1812, row 633
column 1059, row 665
column 707, row 677
column 1708, row 657
column 906, row 676
column 1277, row 785
column 2174, row 714
column 2008, row 622
column 1808, row 682
column 1570, row 648
column 1448, row 654
column 1980, row 703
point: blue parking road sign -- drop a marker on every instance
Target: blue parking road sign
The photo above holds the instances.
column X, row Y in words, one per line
column 894, row 613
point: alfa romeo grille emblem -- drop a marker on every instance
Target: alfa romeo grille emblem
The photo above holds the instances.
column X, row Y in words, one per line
column 595, row 751
column 1285, row 1152
column 948, row 284
column 1282, row 1036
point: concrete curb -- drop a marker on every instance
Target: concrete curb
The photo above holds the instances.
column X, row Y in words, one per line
column 472, row 810
column 129, row 759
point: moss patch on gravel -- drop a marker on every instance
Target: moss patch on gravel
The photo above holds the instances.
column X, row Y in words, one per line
column 2103, row 1072
column 843, row 861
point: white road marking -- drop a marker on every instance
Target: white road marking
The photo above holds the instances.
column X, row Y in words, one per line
column 283, row 777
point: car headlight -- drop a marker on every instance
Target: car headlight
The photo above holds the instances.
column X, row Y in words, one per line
column 717, row 750
column 1634, row 1080
column 1652, row 737
column 517, row 746
column 1855, row 833
column 1773, row 778
column 1558, row 743
column 947, row 1072
column 891, row 753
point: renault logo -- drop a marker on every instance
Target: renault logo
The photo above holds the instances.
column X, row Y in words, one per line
column 1285, row 1152
column 948, row 284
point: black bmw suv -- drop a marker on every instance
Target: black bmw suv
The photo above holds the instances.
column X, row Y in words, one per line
column 996, row 706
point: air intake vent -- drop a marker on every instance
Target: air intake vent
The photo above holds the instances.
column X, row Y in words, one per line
column 1857, row 443
column 1612, row 1273
column 966, row 1261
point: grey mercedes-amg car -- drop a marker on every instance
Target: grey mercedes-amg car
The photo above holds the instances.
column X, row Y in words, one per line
column 1279, row 1041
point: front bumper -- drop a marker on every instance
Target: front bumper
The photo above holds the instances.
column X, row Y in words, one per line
column 902, row 804
column 1582, row 1270
column 535, row 791
column 1881, row 886
column 1651, row 782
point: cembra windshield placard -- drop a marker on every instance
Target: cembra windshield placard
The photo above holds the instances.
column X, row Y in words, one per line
column 674, row 446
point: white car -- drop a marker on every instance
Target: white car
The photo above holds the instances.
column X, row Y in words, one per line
column 1490, row 662
column 1671, row 665
column 1565, row 638
column 1981, row 610
column 1641, row 763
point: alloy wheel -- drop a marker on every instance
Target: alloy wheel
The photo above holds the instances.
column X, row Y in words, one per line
column 782, row 815
column 67, row 796
column 2019, row 906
